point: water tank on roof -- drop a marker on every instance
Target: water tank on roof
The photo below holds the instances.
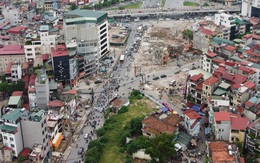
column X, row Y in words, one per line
column 230, row 153
column 229, row 147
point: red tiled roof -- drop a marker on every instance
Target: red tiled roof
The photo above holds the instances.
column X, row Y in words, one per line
column 230, row 63
column 240, row 110
column 17, row 30
column 7, row 148
column 206, row 31
column 199, row 87
column 246, row 37
column 12, row 50
column 219, row 152
column 25, row 152
column 249, row 84
column 31, row 90
column 218, row 61
column 56, row 103
column 222, row 116
column 32, row 80
column 245, row 69
column 239, row 123
column 195, row 78
column 230, row 48
column 249, row 104
column 211, row 80
column 25, row 65
column 253, row 60
column 59, row 51
column 8, row 68
column 239, row 79
column 235, row 86
column 253, row 19
column 17, row 93
column 2, row 3
column 71, row 92
column 211, row 54
column 192, row 114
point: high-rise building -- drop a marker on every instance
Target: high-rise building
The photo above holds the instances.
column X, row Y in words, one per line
column 87, row 31
column 251, row 8
column 42, row 89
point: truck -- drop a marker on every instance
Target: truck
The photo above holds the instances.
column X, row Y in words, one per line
column 140, row 29
column 122, row 59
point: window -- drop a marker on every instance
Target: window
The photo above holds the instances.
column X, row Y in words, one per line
column 43, row 140
column 5, row 137
column 43, row 132
column 219, row 130
column 12, row 145
column 12, row 139
column 222, row 130
column 42, row 125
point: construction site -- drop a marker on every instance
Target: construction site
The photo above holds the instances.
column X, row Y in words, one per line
column 165, row 51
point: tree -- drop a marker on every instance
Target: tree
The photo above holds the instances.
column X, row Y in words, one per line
column 187, row 34
column 20, row 85
column 161, row 147
column 73, row 6
column 136, row 126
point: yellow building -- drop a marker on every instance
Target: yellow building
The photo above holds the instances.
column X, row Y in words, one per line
column 238, row 129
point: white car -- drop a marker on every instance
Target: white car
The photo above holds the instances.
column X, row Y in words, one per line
column 116, row 95
column 126, row 74
column 185, row 69
column 85, row 136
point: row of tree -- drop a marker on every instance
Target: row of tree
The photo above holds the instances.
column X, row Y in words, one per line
column 7, row 88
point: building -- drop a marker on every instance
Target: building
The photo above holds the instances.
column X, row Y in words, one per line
column 88, row 32
column 208, row 87
column 42, row 89
column 32, row 92
column 48, row 39
column 240, row 95
column 195, row 87
column 153, row 125
column 252, row 143
column 11, row 15
column 238, row 129
column 221, row 125
column 207, row 60
column 202, row 38
column 60, row 63
column 11, row 131
column 32, row 50
column 13, row 72
column 11, row 53
column 48, row 5
column 250, row 8
column 220, row 151
column 39, row 135
column 192, row 122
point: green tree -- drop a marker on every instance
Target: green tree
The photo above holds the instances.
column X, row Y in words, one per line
column 187, row 34
column 161, row 147
column 136, row 126
column 20, row 85
column 95, row 143
column 3, row 79
column 73, row 6
column 240, row 146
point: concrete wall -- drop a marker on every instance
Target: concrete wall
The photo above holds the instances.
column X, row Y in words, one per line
column 81, row 32
column 222, row 130
column 200, row 41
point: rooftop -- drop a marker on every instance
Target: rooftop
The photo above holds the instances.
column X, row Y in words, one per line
column 155, row 125
column 44, row 28
column 222, row 116
column 255, row 125
column 219, row 152
column 14, row 100
column 191, row 114
column 12, row 115
column 17, row 93
column 196, row 77
column 210, row 81
column 206, row 74
column 11, row 50
column 59, row 51
column 86, row 13
column 239, row 123
column 56, row 103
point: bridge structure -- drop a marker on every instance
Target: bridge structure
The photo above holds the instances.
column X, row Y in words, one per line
column 171, row 11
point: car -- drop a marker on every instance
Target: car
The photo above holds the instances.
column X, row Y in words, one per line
column 85, row 136
column 111, row 75
column 98, row 81
column 185, row 69
column 80, row 150
column 163, row 76
column 149, row 82
column 156, row 78
column 116, row 95
column 94, row 123
column 126, row 74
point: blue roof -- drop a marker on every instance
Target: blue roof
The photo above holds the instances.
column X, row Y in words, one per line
column 164, row 109
column 196, row 108
column 253, row 99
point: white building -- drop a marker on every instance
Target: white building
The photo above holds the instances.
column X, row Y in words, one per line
column 48, row 40
column 11, row 15
column 88, row 31
column 221, row 125
column 206, row 61
column 192, row 122
column 32, row 51
column 11, row 131
column 250, row 8
column 42, row 89
column 224, row 19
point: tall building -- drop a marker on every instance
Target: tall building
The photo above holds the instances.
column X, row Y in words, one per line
column 39, row 135
column 42, row 89
column 48, row 39
column 88, row 32
column 251, row 8
column 60, row 63
column 11, row 131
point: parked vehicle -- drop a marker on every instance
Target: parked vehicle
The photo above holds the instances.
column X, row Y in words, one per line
column 80, row 150
column 156, row 78
column 163, row 76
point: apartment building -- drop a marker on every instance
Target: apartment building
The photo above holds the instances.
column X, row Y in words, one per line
column 192, row 122
column 32, row 51
column 11, row 131
column 88, row 32
column 252, row 143
column 42, row 89
column 250, row 8
column 195, row 87
column 48, row 5
column 11, row 53
column 221, row 125
column 207, row 60
column 238, row 129
column 39, row 135
column 48, row 39
column 13, row 72
column 240, row 95
column 32, row 92
column 60, row 63
column 208, row 87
